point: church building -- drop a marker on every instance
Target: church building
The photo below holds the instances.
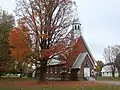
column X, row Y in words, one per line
column 79, row 65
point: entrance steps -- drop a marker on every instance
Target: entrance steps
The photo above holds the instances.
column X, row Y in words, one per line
column 90, row 78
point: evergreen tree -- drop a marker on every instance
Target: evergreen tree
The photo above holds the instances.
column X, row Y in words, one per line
column 6, row 25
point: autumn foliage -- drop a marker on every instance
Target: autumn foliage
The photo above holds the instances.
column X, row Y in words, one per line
column 48, row 22
column 20, row 47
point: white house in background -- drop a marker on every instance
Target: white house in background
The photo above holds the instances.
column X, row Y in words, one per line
column 106, row 71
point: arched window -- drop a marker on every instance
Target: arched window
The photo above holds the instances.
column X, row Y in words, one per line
column 55, row 69
column 78, row 27
column 75, row 27
column 51, row 70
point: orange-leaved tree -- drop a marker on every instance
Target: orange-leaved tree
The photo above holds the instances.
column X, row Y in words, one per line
column 20, row 47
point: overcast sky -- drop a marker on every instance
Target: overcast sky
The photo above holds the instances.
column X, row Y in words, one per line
column 100, row 21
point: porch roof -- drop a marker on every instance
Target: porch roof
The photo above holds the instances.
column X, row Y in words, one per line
column 55, row 62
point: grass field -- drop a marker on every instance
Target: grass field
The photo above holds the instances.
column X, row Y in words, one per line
column 31, row 84
column 108, row 78
column 105, row 87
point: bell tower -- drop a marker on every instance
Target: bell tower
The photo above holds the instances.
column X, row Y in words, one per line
column 76, row 27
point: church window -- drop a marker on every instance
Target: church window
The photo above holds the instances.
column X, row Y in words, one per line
column 50, row 69
column 78, row 27
column 75, row 27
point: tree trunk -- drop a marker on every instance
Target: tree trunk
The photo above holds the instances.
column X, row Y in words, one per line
column 113, row 74
column 21, row 69
column 119, row 73
column 42, row 74
column 0, row 74
column 42, row 69
column 21, row 72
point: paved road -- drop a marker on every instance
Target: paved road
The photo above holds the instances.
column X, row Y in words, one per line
column 109, row 82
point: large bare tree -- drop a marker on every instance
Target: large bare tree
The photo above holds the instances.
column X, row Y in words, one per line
column 49, row 23
column 110, row 54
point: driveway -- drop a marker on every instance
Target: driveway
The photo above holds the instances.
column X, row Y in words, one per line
column 109, row 82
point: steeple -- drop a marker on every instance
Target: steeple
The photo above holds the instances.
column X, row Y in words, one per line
column 76, row 27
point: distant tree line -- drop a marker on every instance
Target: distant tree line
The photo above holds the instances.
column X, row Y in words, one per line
column 6, row 25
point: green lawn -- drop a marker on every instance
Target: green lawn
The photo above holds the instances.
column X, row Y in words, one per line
column 108, row 78
column 62, row 88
